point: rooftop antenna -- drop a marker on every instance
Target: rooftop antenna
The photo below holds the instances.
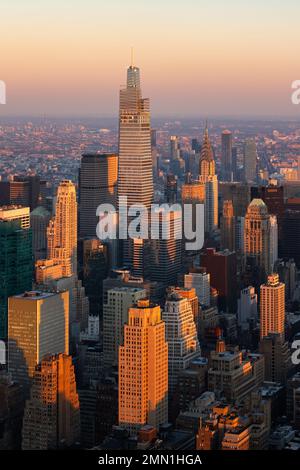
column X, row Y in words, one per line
column 132, row 53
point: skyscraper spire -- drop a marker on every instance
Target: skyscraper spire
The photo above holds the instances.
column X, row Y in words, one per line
column 207, row 175
column 132, row 57
column 207, row 163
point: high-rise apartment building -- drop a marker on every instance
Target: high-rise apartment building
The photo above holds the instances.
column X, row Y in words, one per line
column 272, row 307
column 135, row 180
column 98, row 176
column 51, row 416
column 62, row 229
column 38, row 324
column 15, row 264
column 143, row 369
column 208, row 176
column 226, row 157
column 181, row 335
column 115, row 316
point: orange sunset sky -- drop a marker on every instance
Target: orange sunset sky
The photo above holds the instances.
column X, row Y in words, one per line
column 197, row 57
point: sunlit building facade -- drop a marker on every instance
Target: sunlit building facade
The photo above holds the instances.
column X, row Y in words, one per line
column 51, row 416
column 143, row 369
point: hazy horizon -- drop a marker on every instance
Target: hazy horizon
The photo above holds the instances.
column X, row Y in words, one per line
column 197, row 58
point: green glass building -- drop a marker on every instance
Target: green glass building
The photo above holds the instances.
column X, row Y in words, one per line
column 15, row 265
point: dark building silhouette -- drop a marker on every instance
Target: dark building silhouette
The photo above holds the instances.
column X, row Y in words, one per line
column 222, row 268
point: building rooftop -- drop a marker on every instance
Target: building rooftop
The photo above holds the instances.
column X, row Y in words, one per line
column 34, row 294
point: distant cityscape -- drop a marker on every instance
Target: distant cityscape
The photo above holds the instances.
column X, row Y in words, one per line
column 140, row 343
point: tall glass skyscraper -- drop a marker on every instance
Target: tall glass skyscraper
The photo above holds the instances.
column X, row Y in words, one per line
column 135, row 161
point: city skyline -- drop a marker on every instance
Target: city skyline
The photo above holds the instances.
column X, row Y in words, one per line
column 217, row 59
column 150, row 266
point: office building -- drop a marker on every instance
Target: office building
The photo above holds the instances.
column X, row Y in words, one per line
column 23, row 190
column 247, row 308
column 277, row 357
column 226, row 156
column 272, row 307
column 135, row 180
column 115, row 316
column 250, row 161
column 38, row 324
column 259, row 239
column 222, row 267
column 143, row 369
column 15, row 266
column 51, row 416
column 62, row 229
column 166, row 246
column 199, row 279
column 233, row 375
column 181, row 336
column 16, row 212
column 228, row 227
column 98, row 176
column 39, row 221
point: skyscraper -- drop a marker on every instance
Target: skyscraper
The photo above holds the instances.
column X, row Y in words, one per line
column 209, row 178
column 51, row 417
column 62, row 230
column 222, row 267
column 143, row 369
column 250, row 161
column 228, row 227
column 259, row 239
column 15, row 265
column 135, row 178
column 181, row 335
column 247, row 307
column 115, row 316
column 166, row 250
column 39, row 221
column 38, row 324
column 171, row 189
column 226, row 157
column 98, row 175
column 272, row 307
column 273, row 241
